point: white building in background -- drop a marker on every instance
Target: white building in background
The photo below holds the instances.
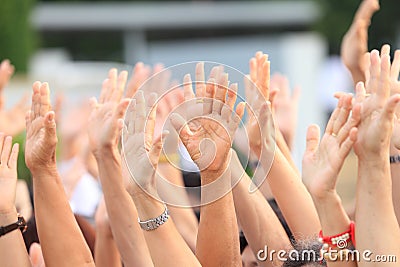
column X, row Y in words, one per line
column 298, row 53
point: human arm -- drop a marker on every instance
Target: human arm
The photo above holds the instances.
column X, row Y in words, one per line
column 106, row 251
column 256, row 218
column 212, row 134
column 52, row 209
column 12, row 246
column 141, row 152
column 377, row 228
column 105, row 124
column 355, row 42
column 322, row 162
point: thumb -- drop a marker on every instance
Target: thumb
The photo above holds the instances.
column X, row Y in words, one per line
column 180, row 126
column 312, row 138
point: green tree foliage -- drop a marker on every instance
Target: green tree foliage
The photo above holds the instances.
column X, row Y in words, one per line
column 17, row 39
column 337, row 16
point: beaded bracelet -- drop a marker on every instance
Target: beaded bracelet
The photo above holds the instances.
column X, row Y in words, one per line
column 337, row 240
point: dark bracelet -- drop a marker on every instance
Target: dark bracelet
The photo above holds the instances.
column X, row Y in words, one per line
column 20, row 224
column 394, row 159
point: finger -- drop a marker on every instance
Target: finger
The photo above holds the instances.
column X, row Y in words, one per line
column 385, row 50
column 266, row 121
column 200, row 78
column 395, row 69
column 232, row 95
column 235, row 119
column 104, row 90
column 334, row 115
column 139, row 75
column 360, row 92
column 158, row 144
column 120, row 87
column 352, row 122
column 140, row 112
column 112, row 86
column 347, row 145
column 44, row 99
column 390, row 108
column 209, row 95
column 383, row 91
column 343, row 114
column 132, row 116
column 296, row 94
column 220, row 94
column 2, row 141
column 375, row 72
column 187, row 87
column 5, row 152
column 12, row 162
column 366, row 9
column 181, row 127
column 35, row 107
column 151, row 119
column 120, row 111
column 50, row 125
column 312, row 138
column 265, row 79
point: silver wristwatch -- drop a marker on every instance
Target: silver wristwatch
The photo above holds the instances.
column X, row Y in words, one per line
column 153, row 224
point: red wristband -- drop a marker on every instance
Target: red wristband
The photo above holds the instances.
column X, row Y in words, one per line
column 333, row 240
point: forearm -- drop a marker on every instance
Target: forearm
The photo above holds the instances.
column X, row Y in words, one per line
column 257, row 219
column 53, row 213
column 218, row 223
column 284, row 147
column 293, row 198
column 377, row 228
column 395, row 174
column 106, row 252
column 121, row 211
column 166, row 245
column 334, row 220
column 12, row 246
column 184, row 217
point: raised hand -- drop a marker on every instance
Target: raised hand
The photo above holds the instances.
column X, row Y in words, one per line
column 106, row 118
column 141, row 149
column 285, row 107
column 41, row 137
column 323, row 159
column 8, row 173
column 6, row 71
column 355, row 42
column 377, row 110
column 217, row 124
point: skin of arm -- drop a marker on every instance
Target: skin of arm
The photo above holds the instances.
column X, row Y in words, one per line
column 257, row 219
column 377, row 228
column 141, row 152
column 184, row 218
column 12, row 246
column 106, row 251
column 322, row 162
column 107, row 115
column 290, row 193
column 52, row 209
column 218, row 239
column 395, row 140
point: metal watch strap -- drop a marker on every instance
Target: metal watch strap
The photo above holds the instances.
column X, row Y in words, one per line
column 394, row 159
column 20, row 224
column 153, row 224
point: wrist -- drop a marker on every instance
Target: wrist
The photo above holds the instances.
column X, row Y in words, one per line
column 49, row 169
column 8, row 216
column 103, row 152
